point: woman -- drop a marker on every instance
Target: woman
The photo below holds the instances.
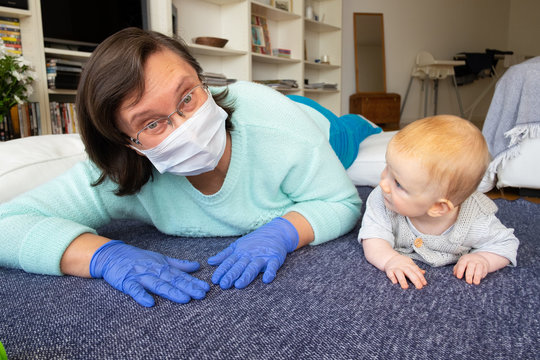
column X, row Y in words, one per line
column 166, row 150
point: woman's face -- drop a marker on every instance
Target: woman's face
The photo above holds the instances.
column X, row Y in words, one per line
column 167, row 79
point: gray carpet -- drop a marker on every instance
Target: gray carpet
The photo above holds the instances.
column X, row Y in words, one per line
column 327, row 302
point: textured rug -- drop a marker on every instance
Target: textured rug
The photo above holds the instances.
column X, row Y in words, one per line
column 327, row 302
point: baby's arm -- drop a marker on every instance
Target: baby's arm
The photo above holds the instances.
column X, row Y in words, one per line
column 397, row 267
column 494, row 246
column 376, row 238
column 475, row 266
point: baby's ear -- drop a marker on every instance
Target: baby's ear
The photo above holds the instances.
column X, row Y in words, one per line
column 441, row 207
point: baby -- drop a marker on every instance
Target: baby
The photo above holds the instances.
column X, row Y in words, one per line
column 426, row 206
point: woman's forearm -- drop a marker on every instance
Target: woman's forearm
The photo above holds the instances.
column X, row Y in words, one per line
column 76, row 258
column 305, row 231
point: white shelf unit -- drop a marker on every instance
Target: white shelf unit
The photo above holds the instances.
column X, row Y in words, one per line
column 223, row 19
column 32, row 49
column 323, row 37
column 62, row 95
column 285, row 29
column 35, row 52
column 230, row 19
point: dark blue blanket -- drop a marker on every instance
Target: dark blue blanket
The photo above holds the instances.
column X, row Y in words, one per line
column 327, row 302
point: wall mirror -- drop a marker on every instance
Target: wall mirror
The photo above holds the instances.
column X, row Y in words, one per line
column 369, row 52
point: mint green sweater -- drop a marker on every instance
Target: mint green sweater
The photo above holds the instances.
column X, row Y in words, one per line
column 281, row 162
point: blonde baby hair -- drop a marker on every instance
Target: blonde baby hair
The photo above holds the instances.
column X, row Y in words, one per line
column 451, row 149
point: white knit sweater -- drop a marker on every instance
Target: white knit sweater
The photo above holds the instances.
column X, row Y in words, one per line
column 476, row 229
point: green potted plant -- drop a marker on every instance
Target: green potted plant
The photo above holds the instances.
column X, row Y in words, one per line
column 16, row 77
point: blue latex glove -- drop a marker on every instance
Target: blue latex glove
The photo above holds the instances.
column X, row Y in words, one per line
column 263, row 250
column 132, row 270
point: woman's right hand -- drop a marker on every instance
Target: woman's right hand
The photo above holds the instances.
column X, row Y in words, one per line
column 133, row 271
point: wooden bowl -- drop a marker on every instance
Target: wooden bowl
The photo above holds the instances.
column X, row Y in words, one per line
column 210, row 41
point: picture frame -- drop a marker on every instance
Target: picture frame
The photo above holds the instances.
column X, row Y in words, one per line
column 257, row 36
column 285, row 5
column 260, row 38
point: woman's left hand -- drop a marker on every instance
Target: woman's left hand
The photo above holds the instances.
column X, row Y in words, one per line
column 263, row 250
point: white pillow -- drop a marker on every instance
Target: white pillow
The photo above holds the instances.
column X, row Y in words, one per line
column 30, row 161
column 370, row 162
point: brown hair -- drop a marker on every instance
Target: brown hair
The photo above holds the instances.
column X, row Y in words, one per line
column 114, row 73
column 451, row 149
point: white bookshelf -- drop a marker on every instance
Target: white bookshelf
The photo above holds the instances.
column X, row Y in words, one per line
column 230, row 19
column 32, row 48
column 35, row 52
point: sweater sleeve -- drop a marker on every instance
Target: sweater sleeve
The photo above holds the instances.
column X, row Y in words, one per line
column 376, row 223
column 39, row 225
column 490, row 235
column 315, row 180
column 323, row 194
column 290, row 165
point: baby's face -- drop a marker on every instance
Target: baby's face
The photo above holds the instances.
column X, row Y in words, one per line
column 406, row 186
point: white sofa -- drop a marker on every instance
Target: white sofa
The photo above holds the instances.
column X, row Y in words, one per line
column 28, row 162
column 31, row 161
column 512, row 129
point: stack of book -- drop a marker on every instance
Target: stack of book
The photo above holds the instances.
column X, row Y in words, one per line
column 63, row 118
column 279, row 84
column 22, row 120
column 63, row 74
column 284, row 53
column 10, row 32
column 215, row 79
column 321, row 85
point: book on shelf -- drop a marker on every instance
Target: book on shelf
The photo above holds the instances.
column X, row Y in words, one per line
column 63, row 74
column 16, row 125
column 10, row 33
column 215, row 79
column 63, row 118
column 285, row 53
column 279, row 84
column 21, row 121
column 66, row 62
column 29, row 119
column 321, row 85
column 3, row 128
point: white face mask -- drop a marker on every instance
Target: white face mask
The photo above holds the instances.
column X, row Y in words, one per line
column 196, row 146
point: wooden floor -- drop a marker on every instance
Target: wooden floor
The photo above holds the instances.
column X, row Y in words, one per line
column 513, row 194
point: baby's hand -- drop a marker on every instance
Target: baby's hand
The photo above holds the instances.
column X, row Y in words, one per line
column 474, row 266
column 400, row 267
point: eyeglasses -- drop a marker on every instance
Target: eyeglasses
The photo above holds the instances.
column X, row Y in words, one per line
column 158, row 129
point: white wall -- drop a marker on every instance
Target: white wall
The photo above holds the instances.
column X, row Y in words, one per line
column 442, row 27
column 524, row 29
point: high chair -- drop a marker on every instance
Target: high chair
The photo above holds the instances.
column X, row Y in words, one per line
column 426, row 68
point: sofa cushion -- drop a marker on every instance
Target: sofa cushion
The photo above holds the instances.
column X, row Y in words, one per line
column 367, row 167
column 30, row 161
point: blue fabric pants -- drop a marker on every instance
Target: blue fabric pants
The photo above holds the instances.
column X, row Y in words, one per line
column 346, row 132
